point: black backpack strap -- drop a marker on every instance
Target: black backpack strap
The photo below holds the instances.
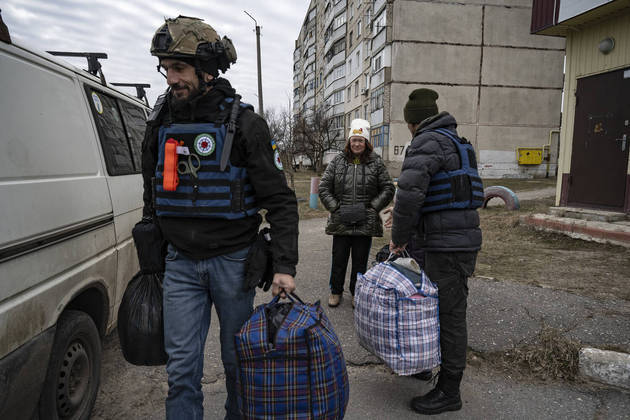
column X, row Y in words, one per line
column 231, row 131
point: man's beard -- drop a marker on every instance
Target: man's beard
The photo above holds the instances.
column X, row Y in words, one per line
column 179, row 103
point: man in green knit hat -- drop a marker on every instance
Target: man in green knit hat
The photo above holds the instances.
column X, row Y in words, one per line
column 435, row 214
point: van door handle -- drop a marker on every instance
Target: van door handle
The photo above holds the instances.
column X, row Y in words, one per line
column 623, row 140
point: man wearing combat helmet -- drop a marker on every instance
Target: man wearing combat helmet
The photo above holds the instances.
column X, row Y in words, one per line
column 209, row 165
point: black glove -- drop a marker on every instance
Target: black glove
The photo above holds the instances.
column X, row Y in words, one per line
column 259, row 264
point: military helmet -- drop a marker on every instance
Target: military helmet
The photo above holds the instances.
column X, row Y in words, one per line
column 190, row 38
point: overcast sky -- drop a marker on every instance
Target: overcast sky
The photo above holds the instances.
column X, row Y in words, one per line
column 123, row 29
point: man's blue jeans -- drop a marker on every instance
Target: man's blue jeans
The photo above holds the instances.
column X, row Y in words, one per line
column 190, row 289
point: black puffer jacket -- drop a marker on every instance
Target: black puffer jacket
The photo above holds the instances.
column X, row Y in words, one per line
column 440, row 231
column 345, row 183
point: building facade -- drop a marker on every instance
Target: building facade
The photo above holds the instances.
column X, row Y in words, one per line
column 594, row 167
column 502, row 84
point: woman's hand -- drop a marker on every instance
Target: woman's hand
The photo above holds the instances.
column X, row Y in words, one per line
column 389, row 211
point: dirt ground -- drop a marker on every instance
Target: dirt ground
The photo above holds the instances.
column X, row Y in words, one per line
column 513, row 252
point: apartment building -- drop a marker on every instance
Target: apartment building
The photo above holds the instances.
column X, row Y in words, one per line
column 502, row 84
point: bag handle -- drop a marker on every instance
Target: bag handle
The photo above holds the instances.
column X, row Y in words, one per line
column 403, row 254
column 290, row 296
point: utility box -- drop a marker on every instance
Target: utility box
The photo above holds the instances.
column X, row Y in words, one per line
column 529, row 155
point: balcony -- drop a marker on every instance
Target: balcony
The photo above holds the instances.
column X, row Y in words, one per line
column 310, row 59
column 336, row 35
column 377, row 78
column 335, row 61
column 335, row 85
column 339, row 7
column 308, row 95
column 379, row 39
column 378, row 5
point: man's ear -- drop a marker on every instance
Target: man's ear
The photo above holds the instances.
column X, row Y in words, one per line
column 207, row 77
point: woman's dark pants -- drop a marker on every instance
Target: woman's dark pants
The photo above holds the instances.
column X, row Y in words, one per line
column 342, row 247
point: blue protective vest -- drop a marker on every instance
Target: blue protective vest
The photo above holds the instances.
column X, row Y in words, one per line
column 212, row 193
column 459, row 189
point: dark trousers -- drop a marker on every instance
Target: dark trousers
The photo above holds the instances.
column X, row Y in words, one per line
column 342, row 246
column 450, row 271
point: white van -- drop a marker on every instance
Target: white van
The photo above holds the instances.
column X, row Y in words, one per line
column 70, row 193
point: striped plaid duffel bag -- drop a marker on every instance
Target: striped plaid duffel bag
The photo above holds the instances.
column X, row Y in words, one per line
column 290, row 363
column 396, row 317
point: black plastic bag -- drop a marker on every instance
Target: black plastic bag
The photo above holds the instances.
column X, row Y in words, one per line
column 140, row 321
column 259, row 264
column 150, row 246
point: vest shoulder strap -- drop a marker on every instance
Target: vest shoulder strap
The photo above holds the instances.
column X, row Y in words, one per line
column 459, row 143
column 157, row 108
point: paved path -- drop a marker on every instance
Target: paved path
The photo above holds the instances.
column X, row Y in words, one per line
column 500, row 315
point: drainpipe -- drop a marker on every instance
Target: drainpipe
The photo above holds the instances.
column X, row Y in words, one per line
column 548, row 148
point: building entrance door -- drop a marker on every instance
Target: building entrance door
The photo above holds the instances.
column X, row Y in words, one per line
column 601, row 140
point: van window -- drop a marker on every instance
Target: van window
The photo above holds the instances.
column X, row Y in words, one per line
column 121, row 130
column 135, row 122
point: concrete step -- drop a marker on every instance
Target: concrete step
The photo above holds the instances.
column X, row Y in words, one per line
column 617, row 233
column 588, row 214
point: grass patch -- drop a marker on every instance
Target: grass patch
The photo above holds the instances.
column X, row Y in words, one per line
column 551, row 357
column 515, row 252
column 302, row 184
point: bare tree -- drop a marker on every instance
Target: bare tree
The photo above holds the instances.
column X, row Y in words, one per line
column 314, row 136
column 281, row 128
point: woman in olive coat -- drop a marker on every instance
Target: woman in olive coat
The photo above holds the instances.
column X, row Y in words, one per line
column 354, row 188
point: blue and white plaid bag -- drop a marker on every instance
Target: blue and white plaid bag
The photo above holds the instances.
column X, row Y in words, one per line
column 294, row 370
column 397, row 320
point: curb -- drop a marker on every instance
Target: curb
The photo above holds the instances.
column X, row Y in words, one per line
column 617, row 234
column 608, row 367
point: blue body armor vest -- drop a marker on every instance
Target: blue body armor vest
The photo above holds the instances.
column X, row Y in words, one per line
column 203, row 190
column 459, row 189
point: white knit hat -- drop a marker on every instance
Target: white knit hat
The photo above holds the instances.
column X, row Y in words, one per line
column 360, row 128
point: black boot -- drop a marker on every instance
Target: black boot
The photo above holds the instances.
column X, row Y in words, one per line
column 436, row 402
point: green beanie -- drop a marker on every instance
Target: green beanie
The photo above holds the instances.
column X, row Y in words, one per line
column 421, row 105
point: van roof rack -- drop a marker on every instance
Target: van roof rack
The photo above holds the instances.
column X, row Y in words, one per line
column 94, row 67
column 140, row 92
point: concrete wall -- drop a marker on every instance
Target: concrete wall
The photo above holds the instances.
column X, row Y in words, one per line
column 584, row 59
column 502, row 84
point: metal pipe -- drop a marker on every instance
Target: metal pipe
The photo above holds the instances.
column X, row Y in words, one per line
column 548, row 146
column 260, row 95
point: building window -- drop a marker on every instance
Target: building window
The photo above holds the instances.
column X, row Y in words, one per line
column 349, row 93
column 379, row 23
column 337, row 47
column 339, row 72
column 339, row 20
column 350, row 40
column 338, row 97
column 358, row 57
column 365, row 111
column 378, row 63
column 359, row 28
column 356, row 113
column 376, row 98
column 351, row 10
column 349, row 118
column 356, row 88
column 380, row 136
column 350, row 65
